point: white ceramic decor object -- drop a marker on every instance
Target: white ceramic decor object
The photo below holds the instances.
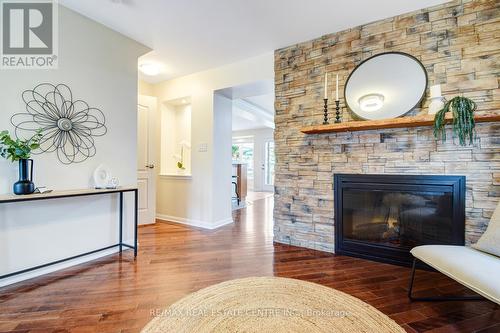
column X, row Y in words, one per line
column 113, row 183
column 437, row 101
column 386, row 86
column 435, row 91
column 102, row 176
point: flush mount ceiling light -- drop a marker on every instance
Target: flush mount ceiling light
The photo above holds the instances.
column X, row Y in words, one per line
column 150, row 69
column 371, row 102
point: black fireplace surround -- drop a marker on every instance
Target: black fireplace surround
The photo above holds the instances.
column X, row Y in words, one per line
column 382, row 217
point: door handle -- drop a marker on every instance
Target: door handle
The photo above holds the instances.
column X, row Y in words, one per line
column 150, row 166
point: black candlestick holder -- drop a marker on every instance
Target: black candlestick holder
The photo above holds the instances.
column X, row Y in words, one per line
column 325, row 110
column 337, row 112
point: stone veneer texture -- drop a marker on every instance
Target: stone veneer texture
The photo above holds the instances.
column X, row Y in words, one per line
column 459, row 45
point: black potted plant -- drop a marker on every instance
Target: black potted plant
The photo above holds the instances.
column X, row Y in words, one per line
column 20, row 150
column 462, row 109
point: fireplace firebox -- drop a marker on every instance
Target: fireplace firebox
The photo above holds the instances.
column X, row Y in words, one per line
column 382, row 217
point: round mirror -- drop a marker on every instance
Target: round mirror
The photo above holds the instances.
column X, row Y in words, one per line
column 385, row 86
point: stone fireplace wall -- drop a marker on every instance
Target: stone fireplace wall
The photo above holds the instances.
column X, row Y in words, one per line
column 459, row 45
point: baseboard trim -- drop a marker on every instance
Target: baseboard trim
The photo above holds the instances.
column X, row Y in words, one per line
column 222, row 223
column 193, row 222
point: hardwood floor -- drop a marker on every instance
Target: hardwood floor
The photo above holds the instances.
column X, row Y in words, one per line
column 108, row 295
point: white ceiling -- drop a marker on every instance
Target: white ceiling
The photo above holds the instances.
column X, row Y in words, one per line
column 265, row 102
column 253, row 112
column 192, row 35
column 253, row 105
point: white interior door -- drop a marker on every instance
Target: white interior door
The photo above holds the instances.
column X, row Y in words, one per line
column 146, row 174
column 268, row 166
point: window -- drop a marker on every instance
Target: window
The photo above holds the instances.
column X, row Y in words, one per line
column 244, row 152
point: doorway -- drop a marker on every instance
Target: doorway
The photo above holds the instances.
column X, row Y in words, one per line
column 146, row 159
column 268, row 165
column 252, row 129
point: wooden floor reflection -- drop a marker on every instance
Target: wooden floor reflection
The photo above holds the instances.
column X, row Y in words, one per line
column 109, row 295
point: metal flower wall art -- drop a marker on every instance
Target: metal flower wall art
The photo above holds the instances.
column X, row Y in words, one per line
column 68, row 126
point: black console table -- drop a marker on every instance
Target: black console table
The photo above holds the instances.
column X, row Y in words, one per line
column 79, row 193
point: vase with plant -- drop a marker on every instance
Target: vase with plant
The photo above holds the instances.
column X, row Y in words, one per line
column 180, row 164
column 20, row 150
column 464, row 126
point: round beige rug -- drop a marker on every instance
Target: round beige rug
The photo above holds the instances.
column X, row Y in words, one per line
column 270, row 304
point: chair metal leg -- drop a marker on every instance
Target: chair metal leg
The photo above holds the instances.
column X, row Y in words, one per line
column 436, row 299
column 236, row 192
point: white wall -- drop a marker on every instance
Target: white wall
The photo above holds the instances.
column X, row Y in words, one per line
column 222, row 156
column 260, row 136
column 192, row 200
column 100, row 66
column 145, row 88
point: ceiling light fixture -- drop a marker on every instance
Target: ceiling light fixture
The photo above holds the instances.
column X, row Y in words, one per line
column 150, row 69
column 371, row 102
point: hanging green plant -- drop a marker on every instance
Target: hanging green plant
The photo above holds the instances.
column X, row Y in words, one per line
column 464, row 126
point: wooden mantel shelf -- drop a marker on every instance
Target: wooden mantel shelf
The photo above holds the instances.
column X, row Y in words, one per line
column 404, row 122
